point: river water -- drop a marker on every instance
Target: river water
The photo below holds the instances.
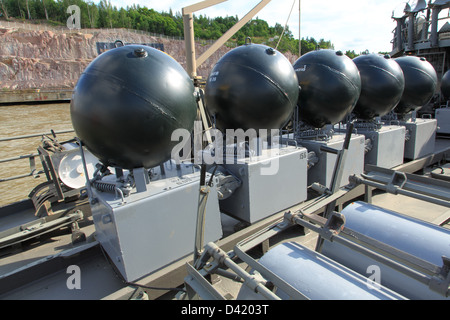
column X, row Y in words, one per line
column 21, row 120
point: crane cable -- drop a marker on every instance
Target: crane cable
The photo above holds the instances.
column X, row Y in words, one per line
column 281, row 36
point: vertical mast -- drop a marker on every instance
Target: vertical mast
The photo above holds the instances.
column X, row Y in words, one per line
column 299, row 28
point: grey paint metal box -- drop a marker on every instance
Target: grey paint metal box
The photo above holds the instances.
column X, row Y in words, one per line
column 265, row 192
column 322, row 172
column 387, row 146
column 156, row 227
column 442, row 116
column 421, row 140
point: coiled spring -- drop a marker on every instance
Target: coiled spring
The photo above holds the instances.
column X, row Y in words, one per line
column 112, row 188
column 104, row 186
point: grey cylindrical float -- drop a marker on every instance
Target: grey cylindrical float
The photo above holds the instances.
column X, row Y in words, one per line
column 318, row 277
column 415, row 237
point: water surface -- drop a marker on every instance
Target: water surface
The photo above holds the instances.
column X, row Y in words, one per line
column 21, row 120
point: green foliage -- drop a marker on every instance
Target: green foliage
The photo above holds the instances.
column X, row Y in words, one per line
column 351, row 54
column 104, row 15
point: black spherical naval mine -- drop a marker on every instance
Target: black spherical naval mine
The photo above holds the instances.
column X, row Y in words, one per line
column 128, row 102
column 420, row 83
column 251, row 87
column 382, row 85
column 330, row 87
column 445, row 85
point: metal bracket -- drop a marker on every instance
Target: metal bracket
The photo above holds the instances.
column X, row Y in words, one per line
column 407, row 184
column 227, row 183
column 139, row 294
column 200, row 223
column 397, row 182
column 37, row 228
column 326, row 228
column 198, row 287
column 312, row 159
column 440, row 283
column 335, row 223
column 203, row 114
column 50, row 172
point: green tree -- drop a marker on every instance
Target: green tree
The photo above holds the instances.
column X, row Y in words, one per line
column 104, row 15
column 351, row 54
column 4, row 10
column 307, row 46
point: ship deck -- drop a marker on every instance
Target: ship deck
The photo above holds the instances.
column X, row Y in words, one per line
column 37, row 268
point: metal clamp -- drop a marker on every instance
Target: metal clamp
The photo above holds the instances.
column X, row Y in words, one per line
column 397, row 182
column 440, row 283
column 335, row 224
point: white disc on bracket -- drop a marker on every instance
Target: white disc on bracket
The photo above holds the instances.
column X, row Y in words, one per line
column 71, row 171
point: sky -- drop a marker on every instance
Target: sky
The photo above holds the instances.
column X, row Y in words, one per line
column 357, row 25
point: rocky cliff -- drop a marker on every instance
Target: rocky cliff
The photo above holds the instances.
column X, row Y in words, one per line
column 55, row 59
